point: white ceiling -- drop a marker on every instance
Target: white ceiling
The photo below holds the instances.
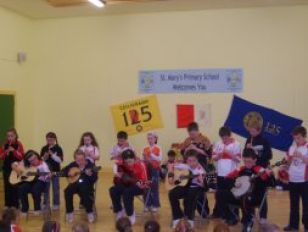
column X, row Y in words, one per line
column 40, row 9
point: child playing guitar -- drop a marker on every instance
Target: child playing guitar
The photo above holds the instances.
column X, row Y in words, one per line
column 197, row 142
column 190, row 193
column 35, row 187
column 130, row 180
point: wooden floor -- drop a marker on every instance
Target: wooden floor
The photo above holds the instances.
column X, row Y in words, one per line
column 278, row 211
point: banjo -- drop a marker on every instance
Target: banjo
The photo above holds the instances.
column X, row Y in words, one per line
column 245, row 182
column 245, row 186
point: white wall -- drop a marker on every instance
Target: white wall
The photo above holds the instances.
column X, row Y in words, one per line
column 16, row 36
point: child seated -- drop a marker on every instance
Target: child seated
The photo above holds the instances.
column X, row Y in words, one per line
column 171, row 160
column 250, row 200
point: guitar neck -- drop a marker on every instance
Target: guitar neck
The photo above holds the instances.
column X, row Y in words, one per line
column 279, row 163
column 189, row 176
column 93, row 169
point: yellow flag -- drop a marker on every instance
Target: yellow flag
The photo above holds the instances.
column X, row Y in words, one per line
column 137, row 116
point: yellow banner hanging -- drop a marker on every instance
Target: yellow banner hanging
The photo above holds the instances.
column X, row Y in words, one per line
column 137, row 116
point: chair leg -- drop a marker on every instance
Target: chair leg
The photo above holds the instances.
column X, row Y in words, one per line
column 94, row 211
column 232, row 210
column 200, row 221
column 144, row 202
column 94, row 203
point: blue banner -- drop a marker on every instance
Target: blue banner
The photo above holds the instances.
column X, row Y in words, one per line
column 191, row 81
column 277, row 127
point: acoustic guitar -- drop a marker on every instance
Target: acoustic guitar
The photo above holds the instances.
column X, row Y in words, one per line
column 26, row 174
column 182, row 178
column 31, row 173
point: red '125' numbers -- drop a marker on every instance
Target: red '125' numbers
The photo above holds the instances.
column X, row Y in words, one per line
column 133, row 116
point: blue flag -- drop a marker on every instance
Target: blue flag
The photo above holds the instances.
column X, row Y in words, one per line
column 276, row 127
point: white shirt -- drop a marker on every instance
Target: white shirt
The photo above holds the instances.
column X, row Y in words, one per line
column 199, row 170
column 298, row 170
column 43, row 167
column 227, row 164
column 116, row 150
column 92, row 150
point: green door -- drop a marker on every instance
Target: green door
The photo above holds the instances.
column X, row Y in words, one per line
column 6, row 114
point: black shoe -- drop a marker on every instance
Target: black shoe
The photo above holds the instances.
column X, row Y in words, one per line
column 289, row 228
column 231, row 222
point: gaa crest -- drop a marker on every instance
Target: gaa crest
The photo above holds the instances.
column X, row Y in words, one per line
column 252, row 119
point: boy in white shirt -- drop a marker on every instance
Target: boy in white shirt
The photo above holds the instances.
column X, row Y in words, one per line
column 189, row 193
column 122, row 145
column 227, row 154
column 298, row 178
column 117, row 150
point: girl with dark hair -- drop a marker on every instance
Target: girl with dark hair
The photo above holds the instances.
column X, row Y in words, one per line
column 11, row 151
column 37, row 186
column 124, row 225
column 52, row 154
column 51, row 226
column 151, row 226
column 9, row 222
